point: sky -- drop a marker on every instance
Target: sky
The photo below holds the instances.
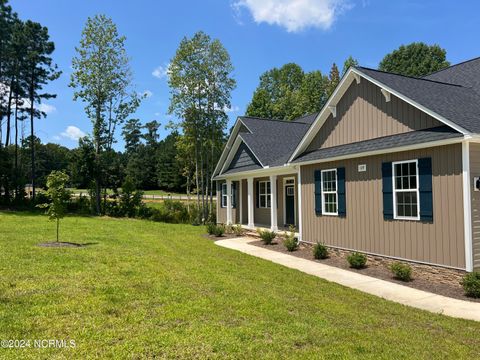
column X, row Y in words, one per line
column 258, row 34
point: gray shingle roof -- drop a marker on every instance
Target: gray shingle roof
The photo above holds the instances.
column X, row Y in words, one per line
column 383, row 143
column 460, row 105
column 273, row 141
column 466, row 74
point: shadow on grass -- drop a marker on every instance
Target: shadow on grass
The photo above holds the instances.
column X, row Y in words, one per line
column 64, row 244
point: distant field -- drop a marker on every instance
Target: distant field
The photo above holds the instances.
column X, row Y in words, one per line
column 145, row 192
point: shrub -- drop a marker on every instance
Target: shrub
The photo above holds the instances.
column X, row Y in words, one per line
column 289, row 241
column 267, row 236
column 471, row 284
column 211, row 228
column 219, row 230
column 401, row 271
column 357, row 260
column 320, row 251
column 237, row 230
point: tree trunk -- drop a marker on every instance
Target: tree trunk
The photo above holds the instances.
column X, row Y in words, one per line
column 32, row 141
column 16, row 147
column 9, row 113
column 97, row 163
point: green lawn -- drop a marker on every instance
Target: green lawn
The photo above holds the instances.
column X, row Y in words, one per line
column 145, row 289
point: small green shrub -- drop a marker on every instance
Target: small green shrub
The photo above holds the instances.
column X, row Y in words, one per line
column 357, row 260
column 401, row 271
column 211, row 228
column 237, row 230
column 471, row 284
column 289, row 241
column 219, row 230
column 267, row 236
column 320, row 251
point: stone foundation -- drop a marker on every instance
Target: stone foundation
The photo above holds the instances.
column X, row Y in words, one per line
column 428, row 272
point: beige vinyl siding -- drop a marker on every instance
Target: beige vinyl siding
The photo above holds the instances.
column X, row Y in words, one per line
column 364, row 229
column 363, row 114
column 475, row 171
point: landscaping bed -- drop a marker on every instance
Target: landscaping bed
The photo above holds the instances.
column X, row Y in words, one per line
column 433, row 279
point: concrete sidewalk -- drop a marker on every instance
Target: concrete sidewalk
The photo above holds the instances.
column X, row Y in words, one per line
column 388, row 290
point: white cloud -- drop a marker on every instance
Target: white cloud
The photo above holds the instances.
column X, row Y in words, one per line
column 46, row 108
column 231, row 109
column 73, row 133
column 294, row 15
column 161, row 72
column 157, row 114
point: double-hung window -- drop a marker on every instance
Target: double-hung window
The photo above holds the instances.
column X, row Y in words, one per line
column 224, row 195
column 264, row 199
column 329, row 192
column 405, row 190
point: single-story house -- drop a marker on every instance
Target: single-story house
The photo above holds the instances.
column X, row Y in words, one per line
column 388, row 167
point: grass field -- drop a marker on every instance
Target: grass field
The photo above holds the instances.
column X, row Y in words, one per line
column 143, row 289
column 145, row 192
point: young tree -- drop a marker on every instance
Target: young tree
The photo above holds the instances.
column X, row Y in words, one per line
column 102, row 79
column 200, row 87
column 58, row 195
column 416, row 59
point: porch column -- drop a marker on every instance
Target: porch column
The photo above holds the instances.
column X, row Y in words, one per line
column 251, row 221
column 273, row 203
column 229, row 202
column 299, row 204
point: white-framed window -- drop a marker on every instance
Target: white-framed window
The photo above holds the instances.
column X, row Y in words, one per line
column 264, row 199
column 224, row 195
column 406, row 196
column 329, row 192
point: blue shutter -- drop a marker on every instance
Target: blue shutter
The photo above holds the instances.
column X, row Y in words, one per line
column 425, row 187
column 234, row 194
column 342, row 208
column 387, row 191
column 318, row 192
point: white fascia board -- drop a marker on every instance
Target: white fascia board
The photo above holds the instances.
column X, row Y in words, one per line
column 325, row 112
column 415, row 104
column 277, row 170
column 342, row 87
column 386, row 151
column 228, row 146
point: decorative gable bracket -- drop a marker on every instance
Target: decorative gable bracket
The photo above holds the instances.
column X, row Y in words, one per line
column 386, row 94
column 333, row 110
column 357, row 78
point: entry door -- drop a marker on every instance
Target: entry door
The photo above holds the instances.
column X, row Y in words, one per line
column 289, row 204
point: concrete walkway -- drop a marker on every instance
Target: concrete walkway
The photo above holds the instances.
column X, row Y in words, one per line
column 388, row 290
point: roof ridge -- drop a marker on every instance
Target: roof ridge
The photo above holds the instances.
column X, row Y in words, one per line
column 411, row 77
column 277, row 120
column 451, row 66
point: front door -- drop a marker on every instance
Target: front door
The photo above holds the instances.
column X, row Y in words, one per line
column 289, row 204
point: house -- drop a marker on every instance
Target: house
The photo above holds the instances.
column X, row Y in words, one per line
column 388, row 167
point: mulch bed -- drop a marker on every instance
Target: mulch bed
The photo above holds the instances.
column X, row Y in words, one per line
column 61, row 244
column 377, row 271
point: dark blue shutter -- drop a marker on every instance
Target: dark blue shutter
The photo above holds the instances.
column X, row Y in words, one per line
column 257, row 198
column 318, row 192
column 425, row 187
column 342, row 208
column 234, row 194
column 387, row 191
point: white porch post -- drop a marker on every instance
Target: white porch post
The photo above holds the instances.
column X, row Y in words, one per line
column 229, row 202
column 273, row 202
column 299, row 203
column 467, row 207
column 251, row 221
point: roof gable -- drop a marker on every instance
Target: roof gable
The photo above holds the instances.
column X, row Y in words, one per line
column 243, row 160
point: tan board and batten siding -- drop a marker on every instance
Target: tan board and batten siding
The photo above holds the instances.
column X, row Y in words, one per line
column 364, row 228
column 475, row 171
column 363, row 114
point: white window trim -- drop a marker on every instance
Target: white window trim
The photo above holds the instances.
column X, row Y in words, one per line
column 223, row 195
column 324, row 212
column 266, row 194
column 394, row 192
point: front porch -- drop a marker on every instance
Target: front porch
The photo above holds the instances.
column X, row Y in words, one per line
column 267, row 202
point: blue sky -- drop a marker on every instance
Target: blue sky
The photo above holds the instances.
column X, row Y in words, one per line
column 258, row 34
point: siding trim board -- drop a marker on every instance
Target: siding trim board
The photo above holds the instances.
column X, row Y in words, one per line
column 467, row 206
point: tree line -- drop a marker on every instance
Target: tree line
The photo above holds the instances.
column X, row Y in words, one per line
column 201, row 82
